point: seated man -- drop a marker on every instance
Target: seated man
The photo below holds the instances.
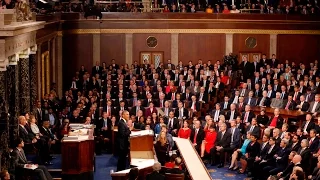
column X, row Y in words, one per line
column 156, row 173
column 222, row 142
column 21, row 164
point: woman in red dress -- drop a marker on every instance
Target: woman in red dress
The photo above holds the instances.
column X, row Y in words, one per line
column 208, row 141
column 170, row 88
column 224, row 78
column 185, row 131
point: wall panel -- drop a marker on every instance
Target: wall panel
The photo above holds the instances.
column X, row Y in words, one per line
column 263, row 43
column 77, row 51
column 298, row 48
column 113, row 47
column 140, row 45
column 193, row 47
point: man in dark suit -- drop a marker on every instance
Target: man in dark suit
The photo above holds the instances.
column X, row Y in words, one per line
column 97, row 69
column 21, row 164
column 246, row 68
column 135, row 109
column 254, row 128
column 313, row 141
column 285, row 174
column 289, row 104
column 264, row 100
column 247, row 115
column 155, row 175
column 303, row 105
column 173, row 124
column 123, row 141
column 197, row 136
column 181, row 112
column 223, row 141
column 307, row 125
column 24, row 134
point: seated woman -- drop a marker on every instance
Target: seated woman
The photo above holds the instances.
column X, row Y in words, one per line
column 158, row 126
column 184, row 132
column 239, row 153
column 161, row 148
column 34, row 127
column 262, row 119
column 208, row 141
column 252, row 151
column 170, row 88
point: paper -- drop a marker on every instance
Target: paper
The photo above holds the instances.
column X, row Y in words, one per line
column 141, row 133
column 32, row 167
column 160, row 112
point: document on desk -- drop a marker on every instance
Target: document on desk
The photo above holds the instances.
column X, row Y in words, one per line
column 141, row 133
column 194, row 164
column 31, row 166
column 139, row 163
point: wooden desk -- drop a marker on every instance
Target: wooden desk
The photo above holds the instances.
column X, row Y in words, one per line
column 78, row 156
column 113, row 139
column 141, row 155
column 286, row 114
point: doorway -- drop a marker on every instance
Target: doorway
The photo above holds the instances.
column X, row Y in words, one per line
column 154, row 58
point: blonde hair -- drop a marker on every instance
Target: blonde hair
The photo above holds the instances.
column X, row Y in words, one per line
column 163, row 140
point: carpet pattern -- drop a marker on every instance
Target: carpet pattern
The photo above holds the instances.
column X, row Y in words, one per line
column 106, row 163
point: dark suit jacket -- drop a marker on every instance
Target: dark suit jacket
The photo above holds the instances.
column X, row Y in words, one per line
column 185, row 113
column 222, row 105
column 236, row 138
column 265, row 103
column 305, row 106
column 311, row 106
column 314, row 145
column 19, row 159
column 253, row 101
column 155, row 176
column 25, row 135
column 199, row 138
column 123, row 136
column 134, row 110
column 255, row 131
column 310, row 126
column 228, row 115
column 291, row 106
column 250, row 116
column 224, row 140
column 175, row 124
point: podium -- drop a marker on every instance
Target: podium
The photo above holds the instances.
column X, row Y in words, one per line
column 77, row 151
column 141, row 155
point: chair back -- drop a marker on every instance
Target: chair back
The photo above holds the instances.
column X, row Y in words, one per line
column 169, row 176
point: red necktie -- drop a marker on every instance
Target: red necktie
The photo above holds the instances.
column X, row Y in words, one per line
column 194, row 106
column 172, row 98
column 287, row 106
column 195, row 137
column 310, row 142
column 161, row 103
column 245, row 116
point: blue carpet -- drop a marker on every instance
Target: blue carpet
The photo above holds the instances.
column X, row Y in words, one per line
column 107, row 162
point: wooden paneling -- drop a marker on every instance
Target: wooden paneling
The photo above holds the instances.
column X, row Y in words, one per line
column 113, row 46
column 77, row 51
column 193, row 47
column 139, row 44
column 263, row 44
column 298, row 48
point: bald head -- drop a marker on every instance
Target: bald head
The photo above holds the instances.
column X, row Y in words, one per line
column 296, row 159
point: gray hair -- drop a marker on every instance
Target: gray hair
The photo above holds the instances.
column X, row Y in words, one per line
column 156, row 166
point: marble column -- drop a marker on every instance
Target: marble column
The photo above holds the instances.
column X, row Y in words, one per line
column 175, row 48
column 24, row 85
column 33, row 80
column 13, row 82
column 3, row 83
column 129, row 49
column 96, row 49
column 229, row 44
column 273, row 44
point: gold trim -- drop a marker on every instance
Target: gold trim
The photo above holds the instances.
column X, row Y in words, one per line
column 45, row 73
column 247, row 45
column 191, row 31
column 213, row 19
column 148, row 44
column 48, row 73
